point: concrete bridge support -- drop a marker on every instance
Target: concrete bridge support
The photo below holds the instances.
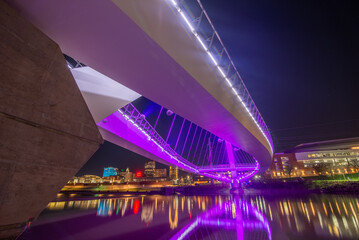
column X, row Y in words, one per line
column 46, row 130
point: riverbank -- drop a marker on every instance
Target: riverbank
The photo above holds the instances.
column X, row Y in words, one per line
column 309, row 186
column 269, row 187
column 148, row 190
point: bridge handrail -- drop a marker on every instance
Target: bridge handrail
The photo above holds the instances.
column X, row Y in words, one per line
column 133, row 115
column 209, row 39
column 130, row 113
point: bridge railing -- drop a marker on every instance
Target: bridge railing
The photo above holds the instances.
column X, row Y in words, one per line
column 139, row 121
column 199, row 24
column 131, row 114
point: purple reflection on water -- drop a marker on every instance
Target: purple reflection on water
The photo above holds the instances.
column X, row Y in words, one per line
column 314, row 216
column 234, row 216
column 148, row 217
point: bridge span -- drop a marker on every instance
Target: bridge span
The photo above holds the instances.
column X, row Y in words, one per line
column 169, row 52
column 164, row 51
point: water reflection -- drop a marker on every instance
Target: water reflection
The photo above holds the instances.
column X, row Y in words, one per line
column 234, row 219
column 322, row 215
column 198, row 217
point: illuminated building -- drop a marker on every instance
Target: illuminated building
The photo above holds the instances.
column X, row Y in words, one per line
column 110, row 171
column 340, row 155
column 122, row 173
column 85, row 179
column 173, row 174
column 150, row 169
column 329, row 157
column 160, row 173
column 128, row 176
column 283, row 165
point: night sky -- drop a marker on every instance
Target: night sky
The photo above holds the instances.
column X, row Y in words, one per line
column 298, row 59
column 300, row 62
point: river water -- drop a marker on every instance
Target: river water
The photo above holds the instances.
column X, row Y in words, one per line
column 309, row 217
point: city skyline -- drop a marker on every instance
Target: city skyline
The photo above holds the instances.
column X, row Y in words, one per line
column 111, row 155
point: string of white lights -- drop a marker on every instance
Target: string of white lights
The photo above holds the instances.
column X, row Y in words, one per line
column 182, row 162
column 194, row 32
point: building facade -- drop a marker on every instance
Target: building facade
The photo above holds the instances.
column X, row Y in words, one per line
column 332, row 157
column 128, row 177
column 150, row 167
column 173, row 173
column 109, row 172
column 160, row 173
column 283, row 165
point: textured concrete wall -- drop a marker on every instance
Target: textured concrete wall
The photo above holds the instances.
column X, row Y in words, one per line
column 46, row 130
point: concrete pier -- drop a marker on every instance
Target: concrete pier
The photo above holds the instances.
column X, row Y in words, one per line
column 46, row 130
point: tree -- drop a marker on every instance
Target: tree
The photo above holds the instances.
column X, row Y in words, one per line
column 322, row 168
column 353, row 163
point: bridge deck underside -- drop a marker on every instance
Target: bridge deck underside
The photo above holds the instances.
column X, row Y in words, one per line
column 104, row 37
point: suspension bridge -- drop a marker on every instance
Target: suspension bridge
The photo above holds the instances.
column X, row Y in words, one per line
column 169, row 52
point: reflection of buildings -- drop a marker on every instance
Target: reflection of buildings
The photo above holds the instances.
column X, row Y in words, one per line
column 105, row 207
column 310, row 159
column 173, row 221
column 324, row 217
column 319, row 216
column 147, row 213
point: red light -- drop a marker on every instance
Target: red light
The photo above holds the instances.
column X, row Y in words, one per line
column 136, row 206
column 138, row 174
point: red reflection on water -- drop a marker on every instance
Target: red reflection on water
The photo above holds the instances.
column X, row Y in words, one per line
column 136, row 206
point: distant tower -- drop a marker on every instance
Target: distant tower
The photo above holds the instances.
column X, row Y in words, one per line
column 150, row 167
column 173, row 174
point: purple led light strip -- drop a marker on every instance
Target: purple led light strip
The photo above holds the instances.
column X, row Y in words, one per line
column 132, row 115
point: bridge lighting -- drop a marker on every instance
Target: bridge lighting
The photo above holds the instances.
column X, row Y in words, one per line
column 169, row 113
column 186, row 20
column 221, row 71
column 201, row 42
column 213, row 60
column 181, row 162
column 229, row 83
column 192, row 29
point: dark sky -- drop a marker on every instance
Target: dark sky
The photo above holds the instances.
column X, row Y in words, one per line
column 111, row 155
column 300, row 62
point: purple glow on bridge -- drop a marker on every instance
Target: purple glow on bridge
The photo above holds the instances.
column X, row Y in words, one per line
column 129, row 124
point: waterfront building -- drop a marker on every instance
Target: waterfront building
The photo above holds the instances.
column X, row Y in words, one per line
column 128, row 176
column 173, row 173
column 150, row 167
column 86, row 179
column 160, row 173
column 110, row 171
column 283, row 165
column 122, row 173
column 340, row 156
